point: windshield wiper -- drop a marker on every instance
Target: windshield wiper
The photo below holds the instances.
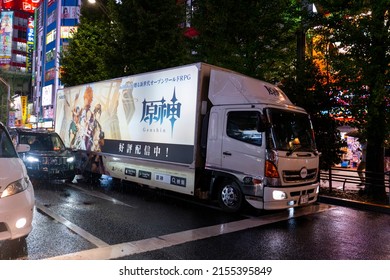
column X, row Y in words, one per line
column 292, row 150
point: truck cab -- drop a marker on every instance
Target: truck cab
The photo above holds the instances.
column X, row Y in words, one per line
column 260, row 146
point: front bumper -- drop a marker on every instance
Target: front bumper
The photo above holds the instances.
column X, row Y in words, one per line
column 13, row 209
column 294, row 197
column 51, row 174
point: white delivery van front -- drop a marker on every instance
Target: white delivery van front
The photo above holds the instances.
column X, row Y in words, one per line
column 260, row 146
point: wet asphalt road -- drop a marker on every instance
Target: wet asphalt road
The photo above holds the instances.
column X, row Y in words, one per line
column 106, row 221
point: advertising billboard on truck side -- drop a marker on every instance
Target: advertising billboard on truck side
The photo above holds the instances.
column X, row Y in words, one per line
column 148, row 116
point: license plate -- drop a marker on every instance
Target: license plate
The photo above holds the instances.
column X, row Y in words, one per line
column 304, row 199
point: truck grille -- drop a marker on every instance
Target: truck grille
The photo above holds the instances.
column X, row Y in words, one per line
column 293, row 176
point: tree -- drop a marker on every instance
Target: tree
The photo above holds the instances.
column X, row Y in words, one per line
column 259, row 38
column 359, row 32
column 123, row 38
column 256, row 38
column 150, row 35
column 312, row 93
column 83, row 61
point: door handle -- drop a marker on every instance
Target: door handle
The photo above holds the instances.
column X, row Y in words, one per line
column 227, row 153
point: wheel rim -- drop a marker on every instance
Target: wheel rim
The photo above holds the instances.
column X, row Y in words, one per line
column 229, row 196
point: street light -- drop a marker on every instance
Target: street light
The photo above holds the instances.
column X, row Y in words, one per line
column 8, row 98
column 101, row 6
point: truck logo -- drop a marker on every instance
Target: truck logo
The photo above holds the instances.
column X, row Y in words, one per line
column 157, row 111
column 303, row 173
column 272, row 90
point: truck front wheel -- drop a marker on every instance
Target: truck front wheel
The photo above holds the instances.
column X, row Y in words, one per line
column 230, row 197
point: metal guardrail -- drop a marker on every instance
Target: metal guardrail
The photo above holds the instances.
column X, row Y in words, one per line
column 342, row 175
column 350, row 179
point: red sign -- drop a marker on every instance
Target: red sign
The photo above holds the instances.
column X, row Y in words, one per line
column 23, row 5
column 8, row 4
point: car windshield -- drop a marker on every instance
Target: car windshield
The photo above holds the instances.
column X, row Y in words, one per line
column 291, row 131
column 7, row 149
column 42, row 141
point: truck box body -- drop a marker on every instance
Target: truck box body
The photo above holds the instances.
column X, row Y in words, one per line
column 195, row 129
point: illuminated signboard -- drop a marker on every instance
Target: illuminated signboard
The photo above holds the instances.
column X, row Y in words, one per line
column 151, row 115
column 23, row 5
column 50, row 74
column 72, row 12
column 51, row 36
column 30, row 44
column 23, row 100
column 68, row 31
column 47, row 95
column 6, row 37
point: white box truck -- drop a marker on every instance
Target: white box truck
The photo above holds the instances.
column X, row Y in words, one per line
column 196, row 129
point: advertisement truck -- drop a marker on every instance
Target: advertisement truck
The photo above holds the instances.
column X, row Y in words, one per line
column 198, row 130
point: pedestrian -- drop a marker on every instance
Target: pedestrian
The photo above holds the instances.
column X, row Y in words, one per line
column 362, row 164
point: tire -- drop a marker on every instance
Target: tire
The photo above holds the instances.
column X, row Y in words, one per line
column 18, row 246
column 230, row 197
column 91, row 177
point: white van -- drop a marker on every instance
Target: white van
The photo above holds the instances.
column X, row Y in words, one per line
column 16, row 191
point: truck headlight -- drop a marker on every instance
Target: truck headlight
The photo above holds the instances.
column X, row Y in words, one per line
column 279, row 195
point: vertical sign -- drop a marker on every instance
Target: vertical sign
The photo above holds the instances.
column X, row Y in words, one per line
column 23, row 100
column 30, row 44
column 47, row 92
column 6, row 37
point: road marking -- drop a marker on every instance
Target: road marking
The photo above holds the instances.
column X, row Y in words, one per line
column 78, row 230
column 101, row 195
column 165, row 241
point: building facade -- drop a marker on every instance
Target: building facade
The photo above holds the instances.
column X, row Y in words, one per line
column 56, row 21
column 16, row 52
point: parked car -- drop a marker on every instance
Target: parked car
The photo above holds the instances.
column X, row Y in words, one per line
column 16, row 191
column 48, row 157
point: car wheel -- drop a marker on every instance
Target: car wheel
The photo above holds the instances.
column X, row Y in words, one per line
column 230, row 197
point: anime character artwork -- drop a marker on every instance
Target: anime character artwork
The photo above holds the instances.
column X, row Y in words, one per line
column 85, row 130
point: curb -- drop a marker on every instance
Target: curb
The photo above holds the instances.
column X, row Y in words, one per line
column 354, row 204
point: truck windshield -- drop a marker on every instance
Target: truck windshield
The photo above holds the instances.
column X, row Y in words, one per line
column 291, row 131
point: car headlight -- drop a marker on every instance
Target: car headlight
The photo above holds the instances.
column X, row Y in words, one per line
column 32, row 159
column 16, row 187
column 70, row 160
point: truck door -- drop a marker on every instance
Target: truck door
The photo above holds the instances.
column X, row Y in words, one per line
column 243, row 143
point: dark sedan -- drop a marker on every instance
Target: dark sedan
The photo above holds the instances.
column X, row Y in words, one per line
column 48, row 157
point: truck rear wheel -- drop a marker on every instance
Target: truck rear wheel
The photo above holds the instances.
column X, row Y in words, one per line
column 230, row 197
